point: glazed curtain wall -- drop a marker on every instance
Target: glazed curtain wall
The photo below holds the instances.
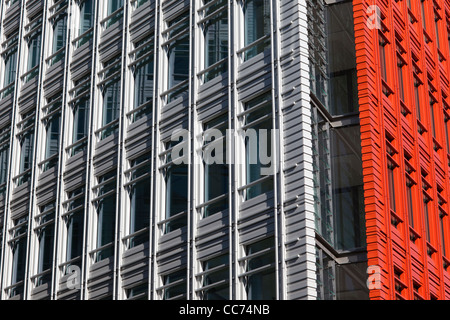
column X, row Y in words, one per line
column 403, row 85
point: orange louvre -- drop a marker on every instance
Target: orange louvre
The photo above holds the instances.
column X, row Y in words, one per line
column 403, row 63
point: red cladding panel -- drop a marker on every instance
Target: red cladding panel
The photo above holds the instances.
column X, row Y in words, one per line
column 403, row 63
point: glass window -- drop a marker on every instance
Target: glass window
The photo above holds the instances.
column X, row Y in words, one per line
column 52, row 129
column 215, row 172
column 34, row 49
column 34, row 55
column 391, row 186
column 351, row 281
column 427, row 217
column 175, row 285
column 348, row 191
column 447, row 136
column 19, row 252
column 143, row 78
column 409, row 198
column 177, row 49
column 139, row 292
column 432, row 116
column 10, row 67
column 59, row 38
column 111, row 102
column 442, row 223
column 75, row 225
column 215, row 278
column 325, row 276
column 260, row 281
column 382, row 52
column 111, row 96
column 343, row 91
column 45, row 233
column 401, row 88
column 436, row 26
column 417, row 98
column 80, row 112
column 112, row 7
column 86, row 15
column 256, row 26
column 257, row 122
column 106, row 214
column 26, row 155
column 176, row 180
column 322, row 176
column 140, row 199
column 4, row 154
column 215, row 32
column 140, row 3
column 423, row 11
column 85, row 31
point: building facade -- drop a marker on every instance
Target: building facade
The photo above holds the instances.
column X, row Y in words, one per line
column 326, row 122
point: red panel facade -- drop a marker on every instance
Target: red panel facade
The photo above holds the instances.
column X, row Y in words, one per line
column 403, row 61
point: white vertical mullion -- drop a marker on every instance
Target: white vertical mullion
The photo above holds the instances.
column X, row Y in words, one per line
column 13, row 157
column 31, row 251
column 161, row 62
column 65, row 130
column 195, row 170
column 3, row 247
column 278, row 150
column 191, row 106
column 274, row 93
column 121, row 160
column 229, row 155
column 153, row 155
column 234, row 145
column 88, row 236
column 64, row 93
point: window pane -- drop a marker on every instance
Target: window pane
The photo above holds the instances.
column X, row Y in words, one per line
column 216, row 41
column 80, row 119
column 106, row 219
column 348, row 191
column 114, row 5
column 178, row 290
column 52, row 139
column 220, row 292
column 261, row 285
column 111, row 102
column 178, row 61
column 46, row 240
column 176, row 195
column 26, row 154
column 87, row 15
column 254, row 145
column 19, row 258
column 256, row 20
column 215, row 174
column 4, row 154
column 343, row 95
column 143, row 83
column 59, row 34
column 75, row 235
column 256, row 25
column 10, row 67
column 34, row 49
